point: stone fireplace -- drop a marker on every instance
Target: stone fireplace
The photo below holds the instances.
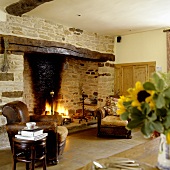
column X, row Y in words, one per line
column 66, row 76
column 38, row 67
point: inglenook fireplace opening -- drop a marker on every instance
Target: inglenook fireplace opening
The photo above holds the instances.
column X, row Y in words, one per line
column 56, row 80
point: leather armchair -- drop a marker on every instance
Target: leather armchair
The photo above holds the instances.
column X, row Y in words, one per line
column 17, row 115
column 109, row 123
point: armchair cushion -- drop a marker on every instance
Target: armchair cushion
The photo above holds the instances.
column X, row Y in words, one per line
column 111, row 105
column 113, row 121
column 63, row 132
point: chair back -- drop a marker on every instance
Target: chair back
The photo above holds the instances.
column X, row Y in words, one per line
column 16, row 111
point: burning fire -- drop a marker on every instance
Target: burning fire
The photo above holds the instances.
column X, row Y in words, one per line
column 47, row 107
column 60, row 109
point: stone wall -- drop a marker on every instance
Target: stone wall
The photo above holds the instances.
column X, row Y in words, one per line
column 11, row 83
column 105, row 81
column 41, row 29
column 81, row 75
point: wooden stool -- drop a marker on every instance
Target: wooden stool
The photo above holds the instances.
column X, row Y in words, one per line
column 29, row 151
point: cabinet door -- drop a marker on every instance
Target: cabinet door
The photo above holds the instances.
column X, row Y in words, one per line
column 151, row 69
column 126, row 75
column 117, row 81
column 127, row 78
column 140, row 73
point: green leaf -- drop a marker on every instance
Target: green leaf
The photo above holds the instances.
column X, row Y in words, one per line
column 124, row 116
column 167, row 92
column 160, row 102
column 167, row 121
column 126, row 104
column 168, row 112
column 152, row 116
column 167, row 101
column 136, row 114
column 155, row 77
column 145, row 108
column 160, row 85
column 161, row 113
column 149, row 86
column 157, row 126
column 147, row 129
column 134, row 123
column 159, row 82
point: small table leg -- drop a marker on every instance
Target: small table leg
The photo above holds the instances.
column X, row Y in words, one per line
column 14, row 165
column 33, row 152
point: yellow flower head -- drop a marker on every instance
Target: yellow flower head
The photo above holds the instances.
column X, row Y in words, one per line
column 150, row 100
column 147, row 103
column 134, row 94
column 139, row 95
column 121, row 107
column 168, row 137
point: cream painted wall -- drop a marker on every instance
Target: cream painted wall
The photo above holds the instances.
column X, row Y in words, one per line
column 143, row 47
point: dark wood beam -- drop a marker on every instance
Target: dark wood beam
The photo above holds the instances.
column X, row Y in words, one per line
column 21, row 45
column 23, row 6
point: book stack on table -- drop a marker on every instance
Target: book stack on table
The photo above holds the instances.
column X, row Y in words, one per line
column 31, row 134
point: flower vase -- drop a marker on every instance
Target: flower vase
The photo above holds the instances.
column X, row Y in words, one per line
column 163, row 154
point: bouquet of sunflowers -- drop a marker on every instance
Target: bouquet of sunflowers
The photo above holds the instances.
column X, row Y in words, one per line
column 148, row 106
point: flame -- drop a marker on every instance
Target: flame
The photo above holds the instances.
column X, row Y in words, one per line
column 47, row 107
column 62, row 110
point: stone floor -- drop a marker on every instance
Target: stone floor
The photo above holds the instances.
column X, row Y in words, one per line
column 81, row 148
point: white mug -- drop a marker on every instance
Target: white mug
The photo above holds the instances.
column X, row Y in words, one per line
column 30, row 125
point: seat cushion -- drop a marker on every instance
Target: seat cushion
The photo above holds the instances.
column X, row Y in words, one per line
column 62, row 133
column 113, row 121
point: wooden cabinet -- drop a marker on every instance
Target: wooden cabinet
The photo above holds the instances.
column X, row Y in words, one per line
column 126, row 75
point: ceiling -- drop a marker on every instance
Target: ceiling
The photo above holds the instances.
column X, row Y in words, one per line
column 107, row 17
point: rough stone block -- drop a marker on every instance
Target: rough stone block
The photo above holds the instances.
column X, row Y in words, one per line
column 6, row 76
column 14, row 94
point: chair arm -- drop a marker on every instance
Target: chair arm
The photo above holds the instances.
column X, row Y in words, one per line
column 47, row 118
column 101, row 112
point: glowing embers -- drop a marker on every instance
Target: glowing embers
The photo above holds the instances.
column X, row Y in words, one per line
column 64, row 113
column 58, row 109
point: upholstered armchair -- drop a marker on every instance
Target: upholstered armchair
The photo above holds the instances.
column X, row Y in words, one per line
column 17, row 115
column 109, row 123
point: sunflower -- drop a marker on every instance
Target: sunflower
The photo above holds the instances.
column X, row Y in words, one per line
column 168, row 137
column 136, row 94
column 139, row 95
column 148, row 107
column 120, row 104
column 150, row 100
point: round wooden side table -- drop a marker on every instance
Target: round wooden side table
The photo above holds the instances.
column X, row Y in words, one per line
column 29, row 151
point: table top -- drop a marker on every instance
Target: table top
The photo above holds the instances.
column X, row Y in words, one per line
column 145, row 154
column 24, row 141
